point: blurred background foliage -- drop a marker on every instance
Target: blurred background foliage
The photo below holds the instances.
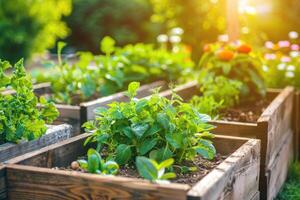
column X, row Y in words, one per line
column 32, row 26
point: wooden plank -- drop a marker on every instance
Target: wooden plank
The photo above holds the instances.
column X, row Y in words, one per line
column 39, row 89
column 297, row 125
column 227, row 181
column 277, row 171
column 54, row 134
column 279, row 116
column 29, row 178
column 3, row 191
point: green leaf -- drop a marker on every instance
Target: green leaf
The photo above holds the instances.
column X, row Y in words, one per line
column 155, row 128
column 100, row 111
column 206, row 149
column 163, row 120
column 175, row 139
column 123, row 154
column 111, row 167
column 132, row 89
column 146, row 168
column 166, row 163
column 139, row 129
column 163, row 154
column 83, row 164
column 93, row 163
column 147, row 145
column 168, row 175
column 108, row 45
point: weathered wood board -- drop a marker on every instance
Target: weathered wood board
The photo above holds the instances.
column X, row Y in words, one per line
column 53, row 135
column 31, row 176
column 3, row 192
column 273, row 125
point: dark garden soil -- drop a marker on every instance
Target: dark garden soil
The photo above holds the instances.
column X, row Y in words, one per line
column 247, row 112
column 191, row 178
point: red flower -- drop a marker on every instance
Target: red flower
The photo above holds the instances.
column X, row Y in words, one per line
column 244, row 48
column 225, row 55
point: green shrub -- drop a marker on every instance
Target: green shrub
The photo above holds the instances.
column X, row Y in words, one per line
column 29, row 27
column 126, row 21
column 20, row 119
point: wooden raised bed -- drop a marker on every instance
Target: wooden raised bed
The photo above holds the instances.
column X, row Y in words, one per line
column 31, row 176
column 3, row 192
column 53, row 135
column 274, row 128
column 76, row 115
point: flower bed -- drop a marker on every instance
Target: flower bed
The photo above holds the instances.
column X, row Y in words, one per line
column 242, row 164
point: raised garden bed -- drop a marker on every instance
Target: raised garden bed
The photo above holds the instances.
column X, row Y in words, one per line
column 32, row 177
column 53, row 135
column 275, row 129
column 76, row 115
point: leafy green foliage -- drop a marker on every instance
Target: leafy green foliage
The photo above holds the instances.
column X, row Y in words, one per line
column 29, row 27
column 151, row 170
column 96, row 165
column 155, row 127
column 236, row 63
column 20, row 119
column 291, row 189
column 112, row 72
column 129, row 22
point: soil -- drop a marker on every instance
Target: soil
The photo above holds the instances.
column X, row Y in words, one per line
column 191, row 178
column 247, row 112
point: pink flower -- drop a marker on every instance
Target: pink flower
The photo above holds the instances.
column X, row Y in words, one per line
column 269, row 45
column 283, row 44
column 295, row 47
column 270, row 56
column 285, row 59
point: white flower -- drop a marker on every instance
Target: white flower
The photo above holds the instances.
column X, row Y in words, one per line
column 269, row 45
column 265, row 68
column 175, row 39
column 291, row 68
column 281, row 66
column 294, row 54
column 293, row 35
column 177, row 31
column 289, row 74
column 223, row 38
column 162, row 38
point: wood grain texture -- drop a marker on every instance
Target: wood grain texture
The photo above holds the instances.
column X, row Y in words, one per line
column 3, row 191
column 236, row 178
column 276, row 172
column 53, row 135
column 275, row 122
column 29, row 176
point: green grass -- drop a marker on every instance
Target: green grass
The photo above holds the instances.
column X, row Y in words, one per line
column 291, row 189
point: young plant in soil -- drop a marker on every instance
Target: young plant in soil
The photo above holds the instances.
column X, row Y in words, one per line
column 156, row 127
column 93, row 76
column 230, row 80
column 20, row 119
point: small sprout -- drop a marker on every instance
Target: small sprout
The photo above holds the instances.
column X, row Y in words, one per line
column 151, row 170
column 96, row 165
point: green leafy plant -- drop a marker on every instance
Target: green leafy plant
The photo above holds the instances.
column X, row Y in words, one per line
column 20, row 119
column 151, row 170
column 235, row 62
column 113, row 71
column 155, row 127
column 96, row 165
column 29, row 27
